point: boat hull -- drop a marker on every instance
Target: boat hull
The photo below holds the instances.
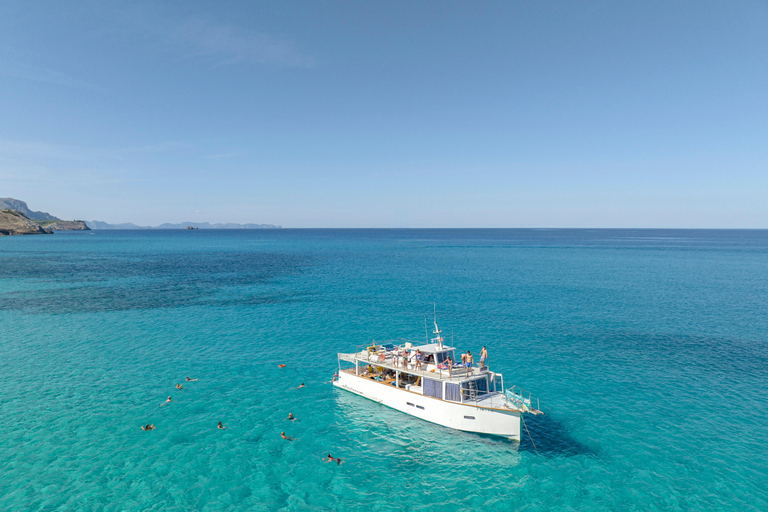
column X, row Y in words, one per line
column 466, row 417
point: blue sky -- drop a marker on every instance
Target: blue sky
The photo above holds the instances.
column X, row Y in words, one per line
column 388, row 114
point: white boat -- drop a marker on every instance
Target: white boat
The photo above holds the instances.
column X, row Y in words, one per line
column 422, row 381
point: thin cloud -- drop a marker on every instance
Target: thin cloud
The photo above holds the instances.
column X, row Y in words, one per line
column 66, row 152
column 9, row 66
column 231, row 44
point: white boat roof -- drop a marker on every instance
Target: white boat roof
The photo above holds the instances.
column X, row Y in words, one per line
column 432, row 348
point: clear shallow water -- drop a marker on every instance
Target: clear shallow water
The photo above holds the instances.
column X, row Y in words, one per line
column 648, row 348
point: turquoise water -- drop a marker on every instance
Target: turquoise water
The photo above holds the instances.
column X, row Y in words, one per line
column 647, row 348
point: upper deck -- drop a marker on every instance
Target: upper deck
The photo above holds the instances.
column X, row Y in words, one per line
column 389, row 355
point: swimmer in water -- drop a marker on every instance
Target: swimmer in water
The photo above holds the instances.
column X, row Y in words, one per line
column 287, row 438
column 149, row 427
column 221, row 427
column 168, row 400
column 290, row 417
column 330, row 458
column 302, row 385
column 191, row 380
column 179, row 386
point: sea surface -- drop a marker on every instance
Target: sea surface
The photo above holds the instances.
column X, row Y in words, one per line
column 648, row 350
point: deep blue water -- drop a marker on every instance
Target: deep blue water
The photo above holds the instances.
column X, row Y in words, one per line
column 647, row 348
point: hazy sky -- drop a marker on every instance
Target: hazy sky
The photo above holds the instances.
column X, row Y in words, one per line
column 388, row 114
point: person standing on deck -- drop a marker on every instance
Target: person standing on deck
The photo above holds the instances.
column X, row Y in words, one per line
column 483, row 356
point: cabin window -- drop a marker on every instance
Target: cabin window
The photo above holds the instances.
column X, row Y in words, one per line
column 474, row 388
column 419, row 407
column 469, row 417
column 452, row 392
column 433, row 388
column 442, row 356
column 409, row 403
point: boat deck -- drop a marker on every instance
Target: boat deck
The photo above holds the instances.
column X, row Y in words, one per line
column 456, row 374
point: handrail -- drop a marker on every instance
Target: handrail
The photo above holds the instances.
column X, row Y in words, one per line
column 386, row 358
column 517, row 396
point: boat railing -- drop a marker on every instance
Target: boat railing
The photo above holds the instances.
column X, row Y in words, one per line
column 522, row 400
column 387, row 354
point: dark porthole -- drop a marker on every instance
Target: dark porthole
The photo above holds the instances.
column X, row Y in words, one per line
column 409, row 403
column 419, row 407
column 469, row 417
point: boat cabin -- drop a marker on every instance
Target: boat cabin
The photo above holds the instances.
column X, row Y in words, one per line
column 427, row 369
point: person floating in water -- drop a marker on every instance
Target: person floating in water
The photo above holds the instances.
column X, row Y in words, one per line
column 191, row 380
column 167, row 401
column 149, row 427
column 287, row 438
column 330, row 458
column 221, row 427
column 290, row 416
column 299, row 387
column 179, row 386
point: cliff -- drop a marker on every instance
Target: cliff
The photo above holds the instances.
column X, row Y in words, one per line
column 16, row 223
column 64, row 225
column 20, row 206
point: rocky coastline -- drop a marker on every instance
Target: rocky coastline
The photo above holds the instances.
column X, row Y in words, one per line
column 13, row 222
column 65, row 225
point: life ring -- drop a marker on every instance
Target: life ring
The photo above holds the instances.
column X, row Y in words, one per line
column 281, row 366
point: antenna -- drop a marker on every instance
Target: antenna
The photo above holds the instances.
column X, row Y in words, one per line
column 426, row 332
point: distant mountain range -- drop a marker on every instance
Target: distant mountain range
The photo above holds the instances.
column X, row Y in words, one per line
column 9, row 203
column 45, row 219
column 97, row 224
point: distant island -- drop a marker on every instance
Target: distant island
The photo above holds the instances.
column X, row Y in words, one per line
column 97, row 224
column 17, row 219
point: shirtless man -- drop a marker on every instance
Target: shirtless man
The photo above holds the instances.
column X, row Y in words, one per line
column 287, row 438
column 191, row 380
column 483, row 356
